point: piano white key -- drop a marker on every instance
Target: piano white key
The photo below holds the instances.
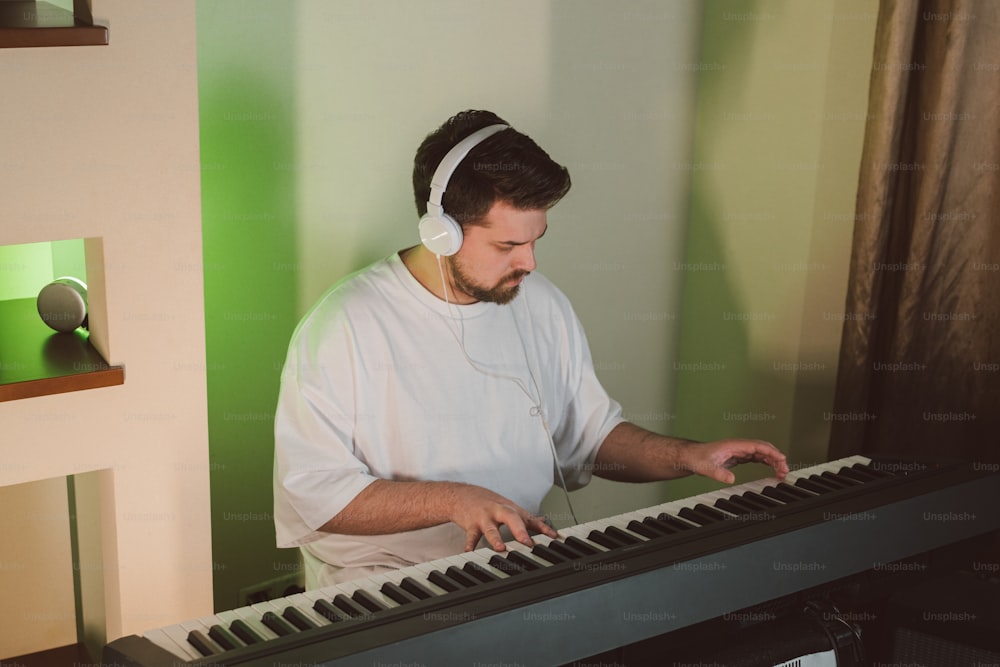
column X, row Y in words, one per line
column 581, row 531
column 348, row 588
column 546, row 540
column 375, row 589
column 168, row 641
column 327, row 594
column 722, row 494
column 397, row 576
column 269, row 606
column 638, row 516
column 457, row 561
column 482, row 560
column 829, row 466
column 526, row 551
column 304, row 603
column 709, row 497
column 673, row 507
column 425, row 570
column 418, row 573
column 618, row 521
column 756, row 486
column 226, row 619
column 197, row 624
column 251, row 617
column 207, row 622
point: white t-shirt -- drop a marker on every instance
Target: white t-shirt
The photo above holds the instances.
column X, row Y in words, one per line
column 377, row 385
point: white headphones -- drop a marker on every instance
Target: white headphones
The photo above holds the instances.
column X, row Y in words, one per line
column 438, row 231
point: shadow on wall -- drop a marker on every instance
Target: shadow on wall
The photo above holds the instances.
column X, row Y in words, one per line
column 247, row 112
column 721, row 391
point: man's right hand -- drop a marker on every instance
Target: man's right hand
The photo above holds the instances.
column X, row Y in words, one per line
column 481, row 512
column 386, row 506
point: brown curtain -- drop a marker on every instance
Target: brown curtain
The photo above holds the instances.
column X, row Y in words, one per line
column 919, row 370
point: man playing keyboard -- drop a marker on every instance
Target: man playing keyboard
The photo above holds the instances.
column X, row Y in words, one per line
column 430, row 401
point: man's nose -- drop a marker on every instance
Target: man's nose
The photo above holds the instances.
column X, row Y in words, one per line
column 525, row 257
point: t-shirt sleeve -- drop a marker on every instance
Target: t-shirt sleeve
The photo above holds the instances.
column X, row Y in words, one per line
column 316, row 473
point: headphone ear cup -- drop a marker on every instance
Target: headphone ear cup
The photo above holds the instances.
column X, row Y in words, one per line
column 440, row 234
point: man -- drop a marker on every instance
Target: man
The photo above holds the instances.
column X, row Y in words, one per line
column 430, row 401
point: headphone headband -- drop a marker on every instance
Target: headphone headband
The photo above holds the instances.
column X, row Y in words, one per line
column 454, row 157
column 439, row 231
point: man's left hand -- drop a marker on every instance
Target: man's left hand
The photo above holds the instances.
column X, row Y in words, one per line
column 714, row 459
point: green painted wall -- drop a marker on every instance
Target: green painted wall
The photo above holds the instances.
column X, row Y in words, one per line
column 26, row 268
column 247, row 112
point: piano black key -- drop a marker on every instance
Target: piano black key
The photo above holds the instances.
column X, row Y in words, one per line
column 524, row 561
column 295, row 616
column 277, row 624
column 460, row 577
column 499, row 562
column 201, row 643
column 710, row 511
column 662, row 526
column 745, row 504
column 697, row 516
column 733, row 508
column 479, row 572
column 325, row 609
column 780, row 494
column 801, row 493
column 224, row 638
column 247, row 634
column 839, row 479
column 643, row 529
column 622, row 536
column 366, row 600
column 859, row 475
column 566, row 551
column 415, row 588
column 763, row 501
column 673, row 521
column 545, row 553
column 833, row 486
column 349, row 606
column 439, row 579
column 397, row 594
column 810, row 485
column 575, row 542
column 599, row 537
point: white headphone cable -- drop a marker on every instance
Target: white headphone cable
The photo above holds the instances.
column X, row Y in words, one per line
column 538, row 409
column 541, row 410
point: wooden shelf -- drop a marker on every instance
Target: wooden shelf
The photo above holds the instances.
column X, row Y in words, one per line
column 25, row 23
column 37, row 361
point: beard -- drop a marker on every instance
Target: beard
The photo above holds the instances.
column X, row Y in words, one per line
column 500, row 293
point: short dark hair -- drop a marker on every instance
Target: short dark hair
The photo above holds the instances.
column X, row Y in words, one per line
column 507, row 166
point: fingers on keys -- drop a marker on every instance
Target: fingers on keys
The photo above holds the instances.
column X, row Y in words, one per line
column 520, row 523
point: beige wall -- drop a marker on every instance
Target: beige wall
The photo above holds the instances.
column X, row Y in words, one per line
column 103, row 142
